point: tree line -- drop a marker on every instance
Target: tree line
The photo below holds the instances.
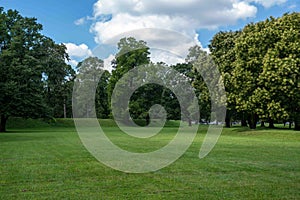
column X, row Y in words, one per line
column 259, row 66
column 35, row 80
column 261, row 70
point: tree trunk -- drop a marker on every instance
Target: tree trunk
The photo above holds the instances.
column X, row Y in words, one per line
column 190, row 122
column 147, row 119
column 65, row 109
column 297, row 126
column 228, row 120
column 290, row 125
column 252, row 120
column 271, row 123
column 263, row 124
column 252, row 125
column 3, row 123
column 244, row 121
column 297, row 121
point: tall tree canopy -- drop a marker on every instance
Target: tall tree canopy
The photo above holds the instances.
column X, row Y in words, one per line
column 57, row 77
column 265, row 77
column 222, row 52
column 27, row 59
column 280, row 78
column 207, row 83
column 92, row 78
column 132, row 53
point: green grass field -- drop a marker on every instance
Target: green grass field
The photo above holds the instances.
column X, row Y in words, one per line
column 41, row 161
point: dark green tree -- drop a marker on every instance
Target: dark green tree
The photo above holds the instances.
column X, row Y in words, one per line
column 23, row 67
column 93, row 79
column 102, row 104
column 132, row 53
column 57, row 78
column 186, row 69
column 222, row 51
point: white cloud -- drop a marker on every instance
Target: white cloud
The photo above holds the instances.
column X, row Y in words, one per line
column 293, row 6
column 268, row 3
column 183, row 16
column 80, row 21
column 73, row 63
column 78, row 51
column 107, row 63
column 166, row 57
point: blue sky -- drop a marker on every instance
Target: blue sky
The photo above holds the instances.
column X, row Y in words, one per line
column 57, row 17
column 81, row 24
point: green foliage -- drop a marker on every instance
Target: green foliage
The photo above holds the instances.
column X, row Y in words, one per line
column 206, row 82
column 223, row 54
column 92, row 82
column 102, row 104
column 57, row 78
column 20, row 70
column 261, row 68
column 280, row 77
column 202, row 62
column 32, row 69
column 132, row 53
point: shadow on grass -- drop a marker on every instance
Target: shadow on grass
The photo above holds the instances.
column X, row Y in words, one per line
column 38, row 130
column 13, row 137
column 240, row 129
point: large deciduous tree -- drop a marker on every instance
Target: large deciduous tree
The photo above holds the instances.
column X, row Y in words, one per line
column 57, row 77
column 132, row 53
column 23, row 50
column 280, row 78
column 265, row 77
column 92, row 79
column 222, row 51
column 208, row 85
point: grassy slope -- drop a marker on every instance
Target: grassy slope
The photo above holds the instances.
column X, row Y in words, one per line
column 49, row 161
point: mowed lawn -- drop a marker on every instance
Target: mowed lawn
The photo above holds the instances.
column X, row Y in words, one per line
column 50, row 162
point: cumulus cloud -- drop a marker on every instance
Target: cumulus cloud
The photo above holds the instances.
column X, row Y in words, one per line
column 166, row 57
column 182, row 15
column 77, row 52
column 117, row 18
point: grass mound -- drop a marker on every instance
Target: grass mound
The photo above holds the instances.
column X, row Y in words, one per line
column 19, row 123
column 15, row 122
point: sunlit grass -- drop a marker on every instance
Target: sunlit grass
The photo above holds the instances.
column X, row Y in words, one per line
column 49, row 162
